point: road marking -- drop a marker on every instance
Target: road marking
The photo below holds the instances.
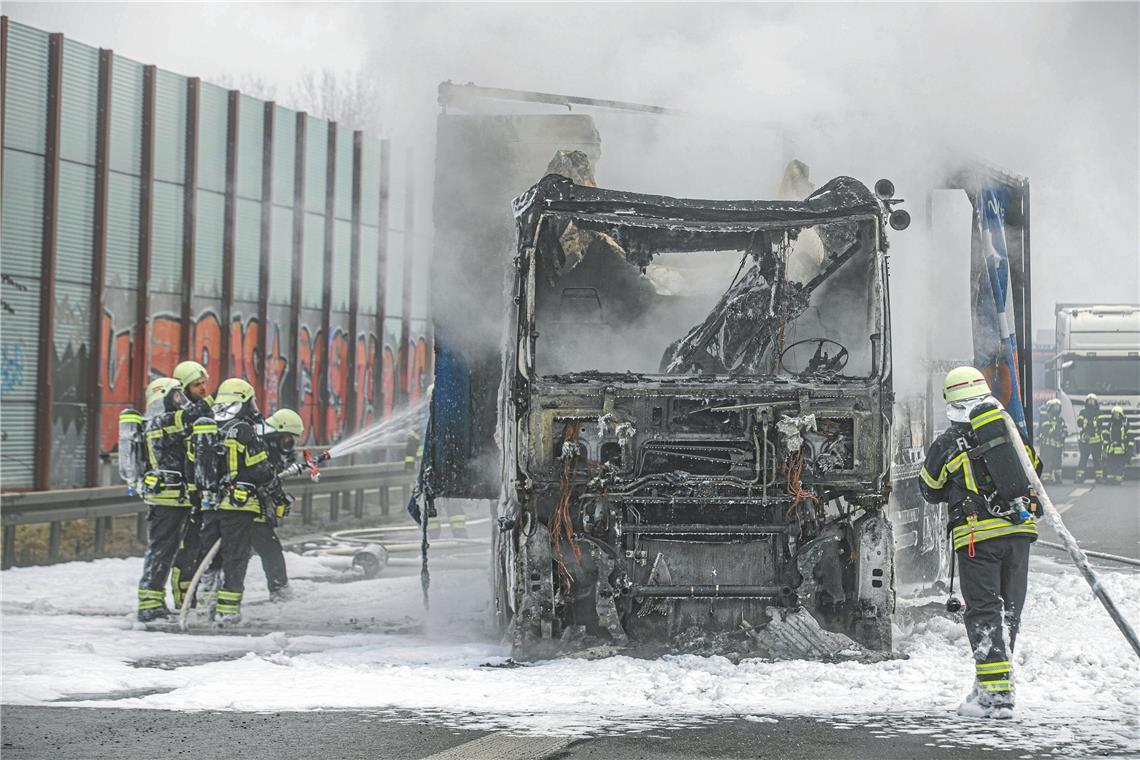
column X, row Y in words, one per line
column 505, row 747
column 1063, row 507
column 1076, row 493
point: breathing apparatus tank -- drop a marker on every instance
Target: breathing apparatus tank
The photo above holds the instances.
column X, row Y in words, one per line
column 132, row 449
column 996, row 458
column 205, row 442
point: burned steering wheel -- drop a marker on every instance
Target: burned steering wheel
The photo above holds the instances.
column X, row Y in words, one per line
column 829, row 357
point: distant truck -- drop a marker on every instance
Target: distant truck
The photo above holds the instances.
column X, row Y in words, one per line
column 1098, row 351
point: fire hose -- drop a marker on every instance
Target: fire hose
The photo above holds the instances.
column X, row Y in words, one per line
column 184, row 613
column 1070, row 543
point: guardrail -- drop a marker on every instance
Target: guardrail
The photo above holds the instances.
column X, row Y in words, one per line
column 344, row 487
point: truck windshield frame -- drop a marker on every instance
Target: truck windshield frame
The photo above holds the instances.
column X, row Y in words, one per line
column 1110, row 375
column 630, row 313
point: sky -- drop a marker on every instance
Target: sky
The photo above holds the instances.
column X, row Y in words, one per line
column 1049, row 91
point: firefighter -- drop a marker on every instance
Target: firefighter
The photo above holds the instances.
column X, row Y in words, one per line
column 1117, row 442
column 1050, row 438
column 247, row 481
column 991, row 535
column 165, row 490
column 193, row 378
column 280, row 432
column 1088, row 428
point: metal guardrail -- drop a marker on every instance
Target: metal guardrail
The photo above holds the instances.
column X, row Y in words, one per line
column 344, row 487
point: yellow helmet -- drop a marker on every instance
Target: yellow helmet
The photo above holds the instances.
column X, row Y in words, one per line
column 285, row 421
column 158, row 389
column 1092, row 400
column 1053, row 403
column 964, row 383
column 1117, row 411
column 235, row 396
column 189, row 372
column 234, row 389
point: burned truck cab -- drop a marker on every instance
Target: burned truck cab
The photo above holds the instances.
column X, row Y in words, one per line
column 695, row 412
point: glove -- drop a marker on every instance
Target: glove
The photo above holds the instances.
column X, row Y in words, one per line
column 294, row 469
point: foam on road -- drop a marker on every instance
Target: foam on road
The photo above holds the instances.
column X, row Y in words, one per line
column 68, row 638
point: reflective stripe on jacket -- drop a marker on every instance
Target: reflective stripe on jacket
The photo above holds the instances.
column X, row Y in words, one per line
column 949, row 475
column 247, row 468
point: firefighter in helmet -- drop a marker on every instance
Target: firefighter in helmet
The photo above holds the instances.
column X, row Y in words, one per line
column 1088, row 428
column 194, row 379
column 247, row 480
column 1117, row 441
column 280, row 431
column 165, row 490
column 1050, row 439
column 968, row 469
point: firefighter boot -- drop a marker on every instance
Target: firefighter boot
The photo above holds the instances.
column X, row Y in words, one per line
column 228, row 610
column 983, row 703
column 152, row 605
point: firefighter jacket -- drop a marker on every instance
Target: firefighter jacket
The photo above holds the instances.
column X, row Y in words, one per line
column 165, row 482
column 950, row 475
column 169, row 480
column 1088, row 425
column 1051, row 431
column 1116, row 439
column 247, row 473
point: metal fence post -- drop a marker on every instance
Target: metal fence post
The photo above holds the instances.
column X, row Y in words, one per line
column 100, row 535
column 53, row 541
column 9, row 545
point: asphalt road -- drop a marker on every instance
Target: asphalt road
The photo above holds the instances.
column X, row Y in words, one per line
column 63, row 733
column 1103, row 518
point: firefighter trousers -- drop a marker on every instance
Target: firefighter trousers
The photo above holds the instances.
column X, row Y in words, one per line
column 165, row 527
column 233, row 527
column 265, row 542
column 186, row 560
column 993, row 586
column 1114, row 466
column 1089, row 451
column 1050, row 462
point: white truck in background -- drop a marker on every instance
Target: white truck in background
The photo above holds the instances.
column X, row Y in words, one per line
column 1097, row 351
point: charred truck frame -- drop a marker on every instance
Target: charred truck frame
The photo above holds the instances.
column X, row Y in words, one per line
column 663, row 485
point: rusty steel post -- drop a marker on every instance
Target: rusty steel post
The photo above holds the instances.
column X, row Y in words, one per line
column 228, row 226
column 405, row 383
column 3, row 93
column 266, row 238
column 99, row 263
column 352, row 423
column 42, row 471
column 382, row 276
column 189, row 215
column 321, row 380
column 298, row 252
column 140, row 351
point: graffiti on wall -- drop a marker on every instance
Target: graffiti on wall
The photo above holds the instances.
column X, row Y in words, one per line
column 366, row 345
column 11, row 365
column 116, row 377
column 309, row 366
column 276, row 369
column 336, row 410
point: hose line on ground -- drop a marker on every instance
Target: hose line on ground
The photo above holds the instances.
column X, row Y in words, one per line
column 1075, row 551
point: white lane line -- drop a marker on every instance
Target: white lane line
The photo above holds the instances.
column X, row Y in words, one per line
column 1076, row 493
column 505, row 747
column 1063, row 507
